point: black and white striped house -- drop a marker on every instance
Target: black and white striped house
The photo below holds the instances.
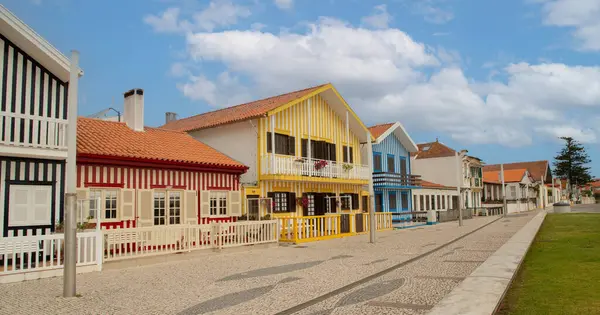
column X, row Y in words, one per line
column 33, row 129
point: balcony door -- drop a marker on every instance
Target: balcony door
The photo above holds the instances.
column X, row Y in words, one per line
column 393, row 201
column 379, row 202
column 403, row 166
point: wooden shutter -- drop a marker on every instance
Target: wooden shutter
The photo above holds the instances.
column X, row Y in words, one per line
column 291, row 146
column 351, row 158
column 190, row 202
column 126, row 210
column 355, row 205
column 332, row 152
column 304, row 147
column 269, row 148
column 292, row 202
column 272, row 196
column 145, row 207
column 83, row 205
column 205, row 204
column 345, row 154
column 234, row 204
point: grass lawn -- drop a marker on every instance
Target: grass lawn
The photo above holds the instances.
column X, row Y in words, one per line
column 561, row 271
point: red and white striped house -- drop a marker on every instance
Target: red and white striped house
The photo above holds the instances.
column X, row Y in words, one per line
column 151, row 176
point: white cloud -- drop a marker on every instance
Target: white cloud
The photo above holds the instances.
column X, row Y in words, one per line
column 257, row 26
column 386, row 75
column 581, row 15
column 284, row 4
column 218, row 13
column 432, row 11
column 379, row 19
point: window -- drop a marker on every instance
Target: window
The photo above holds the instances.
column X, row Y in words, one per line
column 218, row 203
column 421, row 203
column 513, row 191
column 444, row 202
column 403, row 165
column 309, row 210
column 345, row 154
column 285, row 145
column 30, row 205
column 319, row 150
column 432, row 202
column 281, row 202
column 160, row 212
column 426, row 148
column 108, row 203
column 392, row 200
column 439, row 204
column 377, row 167
column 174, row 207
column 365, row 203
column 253, row 205
column 427, row 202
column 405, row 197
column 391, row 165
column 349, row 202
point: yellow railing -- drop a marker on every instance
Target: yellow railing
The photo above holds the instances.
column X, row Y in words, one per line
column 315, row 228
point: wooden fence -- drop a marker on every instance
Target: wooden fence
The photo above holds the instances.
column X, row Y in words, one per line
column 315, row 228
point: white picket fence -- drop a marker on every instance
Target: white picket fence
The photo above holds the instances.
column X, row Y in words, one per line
column 158, row 240
column 42, row 256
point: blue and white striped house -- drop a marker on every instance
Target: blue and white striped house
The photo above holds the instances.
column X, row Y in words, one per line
column 392, row 178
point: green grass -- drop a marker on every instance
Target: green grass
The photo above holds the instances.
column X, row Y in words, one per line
column 561, row 272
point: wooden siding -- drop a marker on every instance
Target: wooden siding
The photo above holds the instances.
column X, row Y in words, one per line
column 31, row 172
column 399, row 197
column 89, row 176
column 27, row 87
column 326, row 125
column 391, row 145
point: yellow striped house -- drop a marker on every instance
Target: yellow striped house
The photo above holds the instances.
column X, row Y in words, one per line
column 303, row 149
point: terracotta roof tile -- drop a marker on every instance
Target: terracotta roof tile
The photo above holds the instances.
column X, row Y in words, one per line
column 433, row 150
column 378, row 130
column 510, row 176
column 108, row 138
column 237, row 113
column 427, row 184
column 537, row 169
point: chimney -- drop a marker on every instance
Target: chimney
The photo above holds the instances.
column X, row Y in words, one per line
column 170, row 116
column 134, row 109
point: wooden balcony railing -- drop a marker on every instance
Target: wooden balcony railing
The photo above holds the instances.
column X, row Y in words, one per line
column 33, row 131
column 381, row 179
column 295, row 166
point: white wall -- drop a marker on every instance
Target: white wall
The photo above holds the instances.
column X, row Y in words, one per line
column 236, row 140
column 447, row 193
column 438, row 170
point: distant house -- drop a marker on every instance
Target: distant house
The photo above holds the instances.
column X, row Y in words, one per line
column 433, row 196
column 437, row 163
column 393, row 181
column 542, row 176
column 521, row 191
column 151, row 176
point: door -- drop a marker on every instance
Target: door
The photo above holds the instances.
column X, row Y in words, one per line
column 378, row 202
column 393, row 203
column 454, row 202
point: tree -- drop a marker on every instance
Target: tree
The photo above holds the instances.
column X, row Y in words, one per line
column 570, row 163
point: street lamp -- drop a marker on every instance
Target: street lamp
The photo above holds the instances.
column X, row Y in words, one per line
column 459, row 157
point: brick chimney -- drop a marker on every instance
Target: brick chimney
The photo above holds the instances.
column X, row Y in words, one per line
column 134, row 109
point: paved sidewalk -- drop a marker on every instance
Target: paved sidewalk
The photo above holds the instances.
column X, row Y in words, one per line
column 270, row 280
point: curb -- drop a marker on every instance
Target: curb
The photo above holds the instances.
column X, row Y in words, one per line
column 483, row 290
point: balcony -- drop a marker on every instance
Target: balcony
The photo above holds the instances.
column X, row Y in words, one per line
column 295, row 166
column 29, row 135
column 394, row 180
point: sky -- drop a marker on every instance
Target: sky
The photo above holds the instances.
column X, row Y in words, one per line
column 502, row 79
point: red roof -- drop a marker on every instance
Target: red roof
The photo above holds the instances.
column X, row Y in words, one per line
column 238, row 113
column 97, row 137
column 378, row 130
column 536, row 169
column 510, row 176
column 433, row 150
column 427, row 184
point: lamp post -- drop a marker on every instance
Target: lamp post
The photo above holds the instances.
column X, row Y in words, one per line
column 372, row 224
column 459, row 171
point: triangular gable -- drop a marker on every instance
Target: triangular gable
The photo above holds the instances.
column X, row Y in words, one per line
column 400, row 133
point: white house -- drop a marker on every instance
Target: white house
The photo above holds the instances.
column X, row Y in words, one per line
column 521, row 190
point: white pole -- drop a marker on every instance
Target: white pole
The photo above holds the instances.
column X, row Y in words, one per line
column 372, row 223
column 273, row 168
column 503, row 189
column 70, row 213
column 347, row 139
column 308, row 148
column 458, row 185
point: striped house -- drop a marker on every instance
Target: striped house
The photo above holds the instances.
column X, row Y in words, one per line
column 392, row 179
column 151, row 176
column 33, row 124
column 303, row 149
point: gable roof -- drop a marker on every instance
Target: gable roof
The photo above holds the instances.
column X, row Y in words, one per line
column 97, row 137
column 427, row 184
column 23, row 36
column 267, row 107
column 433, row 150
column 510, row 176
column 537, row 169
column 380, row 132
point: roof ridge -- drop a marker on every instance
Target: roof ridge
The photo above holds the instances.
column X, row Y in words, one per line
column 253, row 101
column 124, row 123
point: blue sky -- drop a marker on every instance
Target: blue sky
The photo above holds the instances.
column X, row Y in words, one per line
column 502, row 79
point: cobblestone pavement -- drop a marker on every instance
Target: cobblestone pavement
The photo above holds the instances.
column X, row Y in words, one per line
column 270, row 280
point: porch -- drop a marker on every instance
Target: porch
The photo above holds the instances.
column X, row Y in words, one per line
column 396, row 180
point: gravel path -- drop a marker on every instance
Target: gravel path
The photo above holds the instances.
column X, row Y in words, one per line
column 270, row 280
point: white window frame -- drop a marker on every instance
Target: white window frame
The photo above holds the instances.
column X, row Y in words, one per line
column 102, row 207
column 220, row 210
column 167, row 193
column 30, row 205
